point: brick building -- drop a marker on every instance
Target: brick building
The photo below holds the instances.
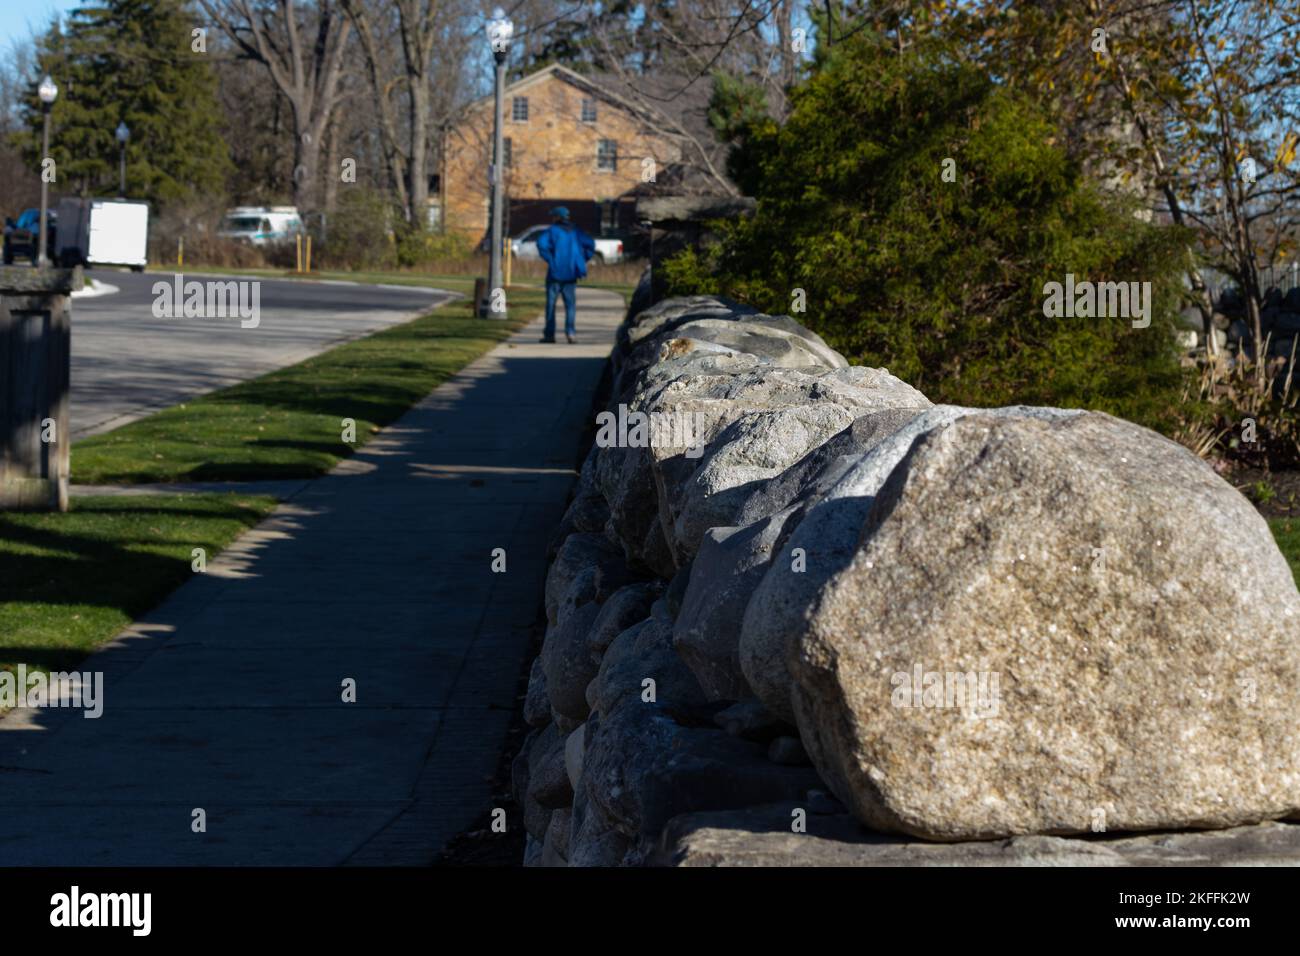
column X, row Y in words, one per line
column 568, row 139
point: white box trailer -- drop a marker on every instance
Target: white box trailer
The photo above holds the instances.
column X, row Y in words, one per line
column 103, row 232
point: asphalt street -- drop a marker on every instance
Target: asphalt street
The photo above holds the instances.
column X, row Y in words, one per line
column 127, row 363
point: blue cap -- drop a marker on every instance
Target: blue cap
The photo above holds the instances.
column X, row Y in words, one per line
column 560, row 212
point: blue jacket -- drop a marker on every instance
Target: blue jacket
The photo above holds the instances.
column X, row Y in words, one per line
column 566, row 249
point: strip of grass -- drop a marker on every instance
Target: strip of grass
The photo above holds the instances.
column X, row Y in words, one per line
column 69, row 582
column 451, row 283
column 288, row 424
column 1287, row 532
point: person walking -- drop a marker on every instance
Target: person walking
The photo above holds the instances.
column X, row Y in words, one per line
column 566, row 249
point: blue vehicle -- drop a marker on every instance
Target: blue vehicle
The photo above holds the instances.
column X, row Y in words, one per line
column 22, row 236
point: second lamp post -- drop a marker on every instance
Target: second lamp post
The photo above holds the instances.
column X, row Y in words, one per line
column 499, row 30
column 48, row 91
column 123, row 133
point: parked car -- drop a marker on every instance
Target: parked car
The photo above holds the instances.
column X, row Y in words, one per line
column 23, row 235
column 261, row 225
column 524, row 246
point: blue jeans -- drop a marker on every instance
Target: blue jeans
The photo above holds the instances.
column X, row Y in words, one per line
column 565, row 290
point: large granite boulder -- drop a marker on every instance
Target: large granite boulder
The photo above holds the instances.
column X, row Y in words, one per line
column 836, row 502
column 1049, row 623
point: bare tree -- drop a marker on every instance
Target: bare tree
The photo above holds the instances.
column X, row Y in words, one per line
column 303, row 49
column 415, row 31
column 664, row 59
column 19, row 183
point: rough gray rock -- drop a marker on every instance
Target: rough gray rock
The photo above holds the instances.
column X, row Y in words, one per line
column 555, row 847
column 536, row 819
column 627, row 485
column 755, row 447
column 773, row 340
column 730, row 564
column 762, row 836
column 625, row 607
column 575, row 744
column 670, row 313
column 567, row 661
column 674, row 358
column 823, row 543
column 806, row 480
column 748, row 718
column 548, row 781
column 645, row 652
column 537, row 704
column 712, row 402
column 676, row 591
column 1154, row 687
column 586, row 568
column 642, row 768
column 637, row 481
column 588, row 511
column 594, row 840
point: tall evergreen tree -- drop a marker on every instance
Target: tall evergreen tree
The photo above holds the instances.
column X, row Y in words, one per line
column 130, row 61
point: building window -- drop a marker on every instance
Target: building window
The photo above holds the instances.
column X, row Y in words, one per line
column 507, row 152
column 607, row 155
column 588, row 111
column 519, row 109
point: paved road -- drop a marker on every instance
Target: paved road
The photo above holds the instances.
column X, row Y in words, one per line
column 227, row 698
column 126, row 363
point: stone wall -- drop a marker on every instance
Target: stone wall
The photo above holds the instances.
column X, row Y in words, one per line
column 803, row 615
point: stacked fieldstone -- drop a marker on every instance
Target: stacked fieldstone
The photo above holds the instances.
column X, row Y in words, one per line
column 831, row 610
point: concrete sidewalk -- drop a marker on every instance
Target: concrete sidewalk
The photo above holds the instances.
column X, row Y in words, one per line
column 228, row 697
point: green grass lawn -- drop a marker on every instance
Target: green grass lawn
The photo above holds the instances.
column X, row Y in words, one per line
column 1287, row 532
column 289, row 423
column 71, row 581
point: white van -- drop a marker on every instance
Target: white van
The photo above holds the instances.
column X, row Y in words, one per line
column 261, row 225
column 104, row 232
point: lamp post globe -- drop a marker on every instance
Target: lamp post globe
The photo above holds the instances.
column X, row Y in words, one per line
column 500, row 31
column 48, row 92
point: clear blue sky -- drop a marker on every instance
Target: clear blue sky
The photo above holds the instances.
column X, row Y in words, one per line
column 19, row 19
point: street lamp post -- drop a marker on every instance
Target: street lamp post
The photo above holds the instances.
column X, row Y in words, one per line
column 48, row 92
column 499, row 30
column 123, row 133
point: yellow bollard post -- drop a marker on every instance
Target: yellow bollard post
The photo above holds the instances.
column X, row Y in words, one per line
column 180, row 252
column 509, row 260
column 308, row 262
